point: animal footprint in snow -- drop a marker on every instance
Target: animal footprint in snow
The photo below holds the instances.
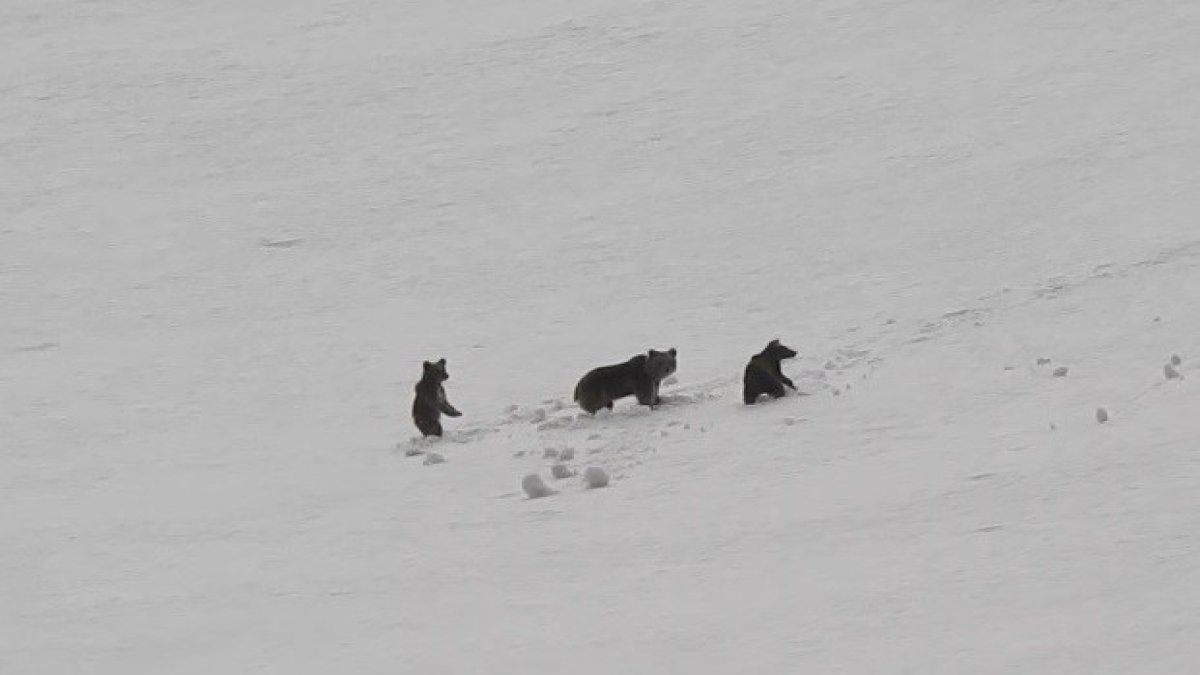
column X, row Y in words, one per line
column 1061, row 371
column 556, row 423
column 416, row 446
column 560, row 471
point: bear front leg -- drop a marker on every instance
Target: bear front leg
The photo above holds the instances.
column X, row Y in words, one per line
column 645, row 394
column 783, row 378
column 445, row 407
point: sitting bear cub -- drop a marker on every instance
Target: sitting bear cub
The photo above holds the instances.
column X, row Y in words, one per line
column 640, row 376
column 764, row 375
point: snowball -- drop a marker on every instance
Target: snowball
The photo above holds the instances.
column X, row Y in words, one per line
column 535, row 487
column 1061, row 371
column 1176, row 360
column 1101, row 415
column 561, row 471
column 595, row 477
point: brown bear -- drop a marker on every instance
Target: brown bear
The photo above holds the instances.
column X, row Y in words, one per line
column 640, row 376
column 431, row 401
column 764, row 374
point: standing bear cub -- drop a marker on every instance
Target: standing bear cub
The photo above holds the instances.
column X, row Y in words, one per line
column 640, row 376
column 431, row 401
column 764, row 375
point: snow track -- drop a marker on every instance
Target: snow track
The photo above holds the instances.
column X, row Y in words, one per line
column 623, row 440
column 230, row 232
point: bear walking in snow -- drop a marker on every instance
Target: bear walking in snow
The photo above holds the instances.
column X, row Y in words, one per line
column 764, row 374
column 431, row 401
column 640, row 376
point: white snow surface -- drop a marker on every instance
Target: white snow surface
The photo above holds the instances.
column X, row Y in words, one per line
column 231, row 231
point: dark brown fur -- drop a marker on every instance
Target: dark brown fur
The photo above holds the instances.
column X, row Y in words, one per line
column 764, row 374
column 431, row 401
column 640, row 376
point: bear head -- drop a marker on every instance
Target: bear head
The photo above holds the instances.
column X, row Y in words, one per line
column 661, row 365
column 778, row 352
column 436, row 371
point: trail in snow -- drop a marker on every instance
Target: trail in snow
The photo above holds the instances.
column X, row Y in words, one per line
column 230, row 231
column 623, row 439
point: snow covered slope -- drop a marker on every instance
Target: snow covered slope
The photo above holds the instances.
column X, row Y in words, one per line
column 230, row 232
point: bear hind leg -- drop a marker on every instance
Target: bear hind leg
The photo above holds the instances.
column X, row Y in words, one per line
column 429, row 427
column 776, row 389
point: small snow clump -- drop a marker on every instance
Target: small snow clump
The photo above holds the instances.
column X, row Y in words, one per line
column 535, row 487
column 595, row 477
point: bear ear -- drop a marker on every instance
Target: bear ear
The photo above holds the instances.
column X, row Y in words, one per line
column 442, row 362
column 426, row 365
column 671, row 351
column 774, row 343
